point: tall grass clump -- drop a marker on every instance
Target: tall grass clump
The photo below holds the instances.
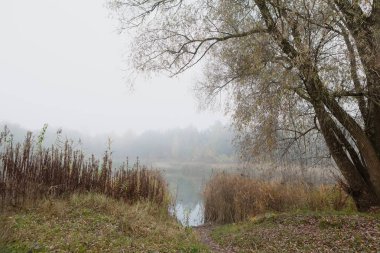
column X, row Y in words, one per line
column 232, row 198
column 29, row 171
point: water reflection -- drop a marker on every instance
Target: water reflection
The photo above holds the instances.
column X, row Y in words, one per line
column 186, row 184
column 189, row 215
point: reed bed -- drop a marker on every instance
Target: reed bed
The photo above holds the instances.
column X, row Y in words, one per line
column 233, row 198
column 29, row 171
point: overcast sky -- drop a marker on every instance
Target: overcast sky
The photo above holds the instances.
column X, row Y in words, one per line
column 63, row 63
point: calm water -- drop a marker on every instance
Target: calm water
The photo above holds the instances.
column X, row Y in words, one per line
column 186, row 184
column 189, row 215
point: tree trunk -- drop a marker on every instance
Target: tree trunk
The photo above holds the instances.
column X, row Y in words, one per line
column 353, row 169
column 358, row 187
column 366, row 33
column 359, row 162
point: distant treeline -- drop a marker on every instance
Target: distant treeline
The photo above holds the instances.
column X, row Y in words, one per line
column 181, row 144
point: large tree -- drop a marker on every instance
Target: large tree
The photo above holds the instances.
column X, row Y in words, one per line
column 290, row 68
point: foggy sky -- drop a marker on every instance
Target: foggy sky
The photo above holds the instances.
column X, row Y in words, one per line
column 63, row 63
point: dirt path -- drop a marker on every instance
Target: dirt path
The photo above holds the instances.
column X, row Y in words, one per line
column 204, row 232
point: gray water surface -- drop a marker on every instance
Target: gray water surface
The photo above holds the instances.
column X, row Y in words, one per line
column 186, row 183
column 189, row 216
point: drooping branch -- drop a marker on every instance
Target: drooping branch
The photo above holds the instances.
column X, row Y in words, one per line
column 201, row 42
column 144, row 9
column 190, row 50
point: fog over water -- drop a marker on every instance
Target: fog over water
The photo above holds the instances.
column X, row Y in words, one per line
column 186, row 156
column 65, row 64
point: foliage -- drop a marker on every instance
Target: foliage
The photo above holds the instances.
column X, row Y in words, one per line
column 294, row 72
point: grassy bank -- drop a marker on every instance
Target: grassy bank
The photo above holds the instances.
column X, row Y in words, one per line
column 303, row 232
column 57, row 199
column 94, row 223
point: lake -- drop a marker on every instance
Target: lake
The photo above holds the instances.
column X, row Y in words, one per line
column 186, row 183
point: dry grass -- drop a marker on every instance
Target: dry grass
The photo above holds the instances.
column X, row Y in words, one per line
column 29, row 172
column 94, row 223
column 233, row 198
column 303, row 232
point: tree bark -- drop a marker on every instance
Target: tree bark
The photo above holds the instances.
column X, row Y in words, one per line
column 360, row 190
column 362, row 184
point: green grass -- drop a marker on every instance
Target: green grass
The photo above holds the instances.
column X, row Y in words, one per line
column 303, row 232
column 94, row 223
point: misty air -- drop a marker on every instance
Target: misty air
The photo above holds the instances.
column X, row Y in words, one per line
column 190, row 126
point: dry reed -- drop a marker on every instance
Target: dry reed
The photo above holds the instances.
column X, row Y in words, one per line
column 232, row 198
column 29, row 171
